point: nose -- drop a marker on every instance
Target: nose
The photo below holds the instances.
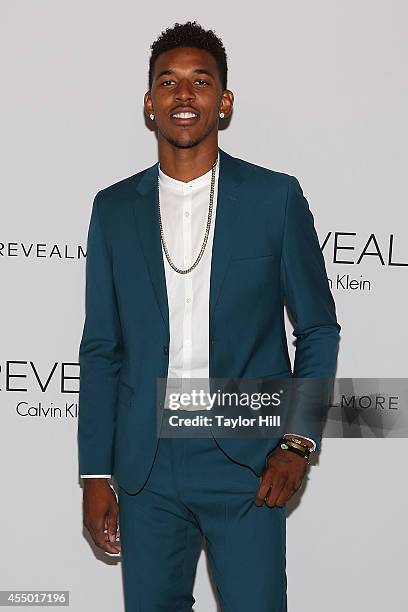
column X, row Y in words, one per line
column 184, row 90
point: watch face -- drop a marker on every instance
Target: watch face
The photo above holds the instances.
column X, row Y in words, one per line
column 283, row 445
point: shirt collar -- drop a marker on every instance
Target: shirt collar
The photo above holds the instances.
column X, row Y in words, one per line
column 199, row 181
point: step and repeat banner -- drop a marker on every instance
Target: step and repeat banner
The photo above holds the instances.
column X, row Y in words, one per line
column 320, row 93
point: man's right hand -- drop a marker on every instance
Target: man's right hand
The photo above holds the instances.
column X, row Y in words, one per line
column 101, row 513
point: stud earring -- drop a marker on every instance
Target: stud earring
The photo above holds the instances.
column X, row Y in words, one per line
column 222, row 115
column 151, row 116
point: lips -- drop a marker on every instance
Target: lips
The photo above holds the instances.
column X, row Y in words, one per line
column 186, row 116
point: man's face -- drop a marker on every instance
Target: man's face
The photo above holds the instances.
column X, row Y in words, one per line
column 186, row 80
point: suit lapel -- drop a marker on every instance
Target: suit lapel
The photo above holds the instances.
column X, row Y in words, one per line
column 147, row 221
column 228, row 206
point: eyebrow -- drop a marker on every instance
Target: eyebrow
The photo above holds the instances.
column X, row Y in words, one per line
column 196, row 71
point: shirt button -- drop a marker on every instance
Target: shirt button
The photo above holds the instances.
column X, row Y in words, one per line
column 186, row 214
column 188, row 300
column 166, row 350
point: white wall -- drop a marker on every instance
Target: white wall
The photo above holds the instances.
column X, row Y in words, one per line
column 321, row 93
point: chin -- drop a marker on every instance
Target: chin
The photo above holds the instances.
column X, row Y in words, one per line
column 184, row 143
column 185, row 139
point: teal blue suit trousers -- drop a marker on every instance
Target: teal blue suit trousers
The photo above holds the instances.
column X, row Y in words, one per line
column 197, row 495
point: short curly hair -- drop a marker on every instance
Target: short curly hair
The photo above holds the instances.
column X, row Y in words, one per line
column 190, row 34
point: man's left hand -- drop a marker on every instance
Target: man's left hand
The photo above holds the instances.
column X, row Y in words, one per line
column 281, row 478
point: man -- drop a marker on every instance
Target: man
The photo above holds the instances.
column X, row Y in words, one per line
column 189, row 265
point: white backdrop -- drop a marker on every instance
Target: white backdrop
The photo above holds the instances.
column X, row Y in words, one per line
column 321, row 93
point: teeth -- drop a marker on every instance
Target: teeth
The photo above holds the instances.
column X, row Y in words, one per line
column 184, row 115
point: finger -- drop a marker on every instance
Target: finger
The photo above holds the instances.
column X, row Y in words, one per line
column 112, row 524
column 117, row 532
column 116, row 539
column 262, row 493
column 268, row 479
column 102, row 541
column 285, row 494
column 111, row 549
column 275, row 492
column 100, row 536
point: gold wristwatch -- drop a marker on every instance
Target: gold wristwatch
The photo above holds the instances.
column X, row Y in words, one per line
column 299, row 449
column 298, row 441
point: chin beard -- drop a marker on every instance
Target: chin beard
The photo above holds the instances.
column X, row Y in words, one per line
column 183, row 144
column 193, row 142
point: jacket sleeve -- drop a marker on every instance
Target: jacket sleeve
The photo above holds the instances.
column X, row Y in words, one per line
column 311, row 305
column 100, row 355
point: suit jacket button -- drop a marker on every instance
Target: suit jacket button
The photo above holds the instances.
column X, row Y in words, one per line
column 166, row 350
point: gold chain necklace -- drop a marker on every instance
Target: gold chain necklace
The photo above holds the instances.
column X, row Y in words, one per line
column 207, row 229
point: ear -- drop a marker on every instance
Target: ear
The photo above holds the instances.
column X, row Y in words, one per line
column 227, row 102
column 148, row 104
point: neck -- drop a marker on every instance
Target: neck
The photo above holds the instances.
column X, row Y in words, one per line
column 186, row 164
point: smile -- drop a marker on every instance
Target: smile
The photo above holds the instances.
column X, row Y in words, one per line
column 184, row 115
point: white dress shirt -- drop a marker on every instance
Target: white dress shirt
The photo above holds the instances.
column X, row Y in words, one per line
column 184, row 211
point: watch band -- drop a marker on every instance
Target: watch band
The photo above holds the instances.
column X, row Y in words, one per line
column 299, row 441
column 301, row 447
column 295, row 448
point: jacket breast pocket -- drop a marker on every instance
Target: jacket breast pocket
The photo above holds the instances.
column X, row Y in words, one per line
column 250, row 275
column 253, row 259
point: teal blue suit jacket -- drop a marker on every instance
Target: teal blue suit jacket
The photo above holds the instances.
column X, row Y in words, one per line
column 265, row 254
